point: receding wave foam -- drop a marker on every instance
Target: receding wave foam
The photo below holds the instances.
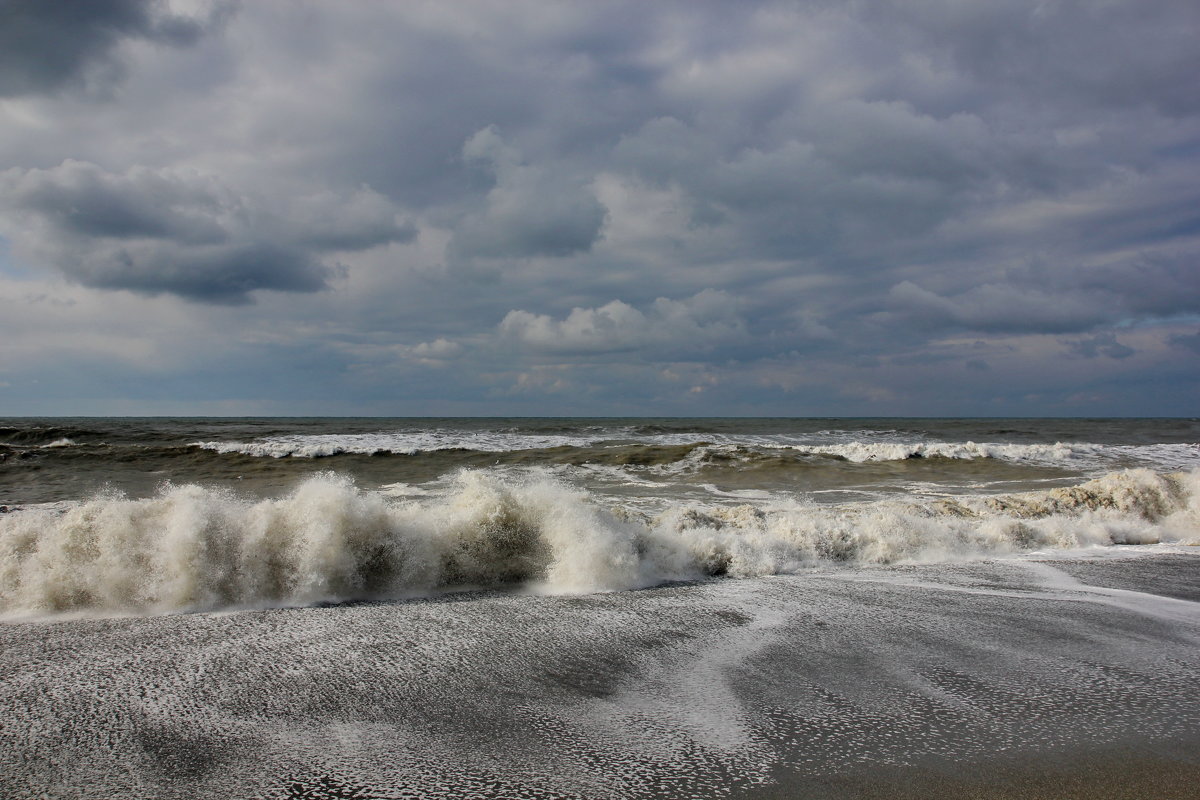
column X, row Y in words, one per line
column 191, row 548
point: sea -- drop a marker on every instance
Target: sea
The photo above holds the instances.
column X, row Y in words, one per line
column 598, row 607
column 159, row 515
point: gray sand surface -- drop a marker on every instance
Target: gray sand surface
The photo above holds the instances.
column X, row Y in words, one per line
column 1073, row 678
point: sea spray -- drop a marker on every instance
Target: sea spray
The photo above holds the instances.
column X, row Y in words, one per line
column 192, row 548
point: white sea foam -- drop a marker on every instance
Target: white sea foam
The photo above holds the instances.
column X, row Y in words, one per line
column 899, row 451
column 400, row 443
column 741, row 494
column 1076, row 455
column 191, row 548
column 1162, row 456
column 853, row 446
column 63, row 442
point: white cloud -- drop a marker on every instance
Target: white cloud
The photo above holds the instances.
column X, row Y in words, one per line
column 438, row 350
column 694, row 325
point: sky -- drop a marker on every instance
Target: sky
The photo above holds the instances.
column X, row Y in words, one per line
column 816, row 208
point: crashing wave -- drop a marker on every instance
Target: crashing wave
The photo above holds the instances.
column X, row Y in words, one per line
column 191, row 548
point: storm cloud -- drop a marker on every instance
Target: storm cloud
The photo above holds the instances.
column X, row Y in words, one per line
column 48, row 46
column 776, row 207
column 186, row 233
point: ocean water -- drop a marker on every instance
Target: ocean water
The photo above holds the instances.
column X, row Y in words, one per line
column 599, row 608
column 113, row 516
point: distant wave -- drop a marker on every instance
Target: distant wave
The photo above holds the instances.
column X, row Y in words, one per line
column 900, row 451
column 1169, row 456
column 1072, row 456
column 42, row 435
column 323, row 445
column 191, row 548
column 696, row 449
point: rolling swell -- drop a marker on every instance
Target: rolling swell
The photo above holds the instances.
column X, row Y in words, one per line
column 675, row 445
column 60, row 469
column 40, row 435
column 190, row 548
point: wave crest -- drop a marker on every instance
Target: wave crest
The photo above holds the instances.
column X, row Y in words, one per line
column 410, row 443
column 191, row 548
column 1058, row 452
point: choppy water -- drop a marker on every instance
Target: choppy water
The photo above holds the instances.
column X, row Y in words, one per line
column 150, row 515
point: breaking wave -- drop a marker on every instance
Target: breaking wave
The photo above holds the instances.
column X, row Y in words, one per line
column 1060, row 453
column 192, row 549
column 900, row 451
column 409, row 443
column 663, row 448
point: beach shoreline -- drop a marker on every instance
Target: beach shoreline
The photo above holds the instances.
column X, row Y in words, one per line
column 1009, row 678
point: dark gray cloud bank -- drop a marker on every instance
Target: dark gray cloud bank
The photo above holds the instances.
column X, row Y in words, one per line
column 810, row 208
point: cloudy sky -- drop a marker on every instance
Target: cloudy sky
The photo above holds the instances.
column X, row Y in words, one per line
column 918, row 207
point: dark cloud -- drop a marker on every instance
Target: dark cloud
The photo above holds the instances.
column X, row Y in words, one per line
column 214, row 274
column 78, row 199
column 1161, row 284
column 1103, row 344
column 45, row 46
column 995, row 307
column 1186, row 341
column 1062, row 52
column 529, row 211
column 185, row 233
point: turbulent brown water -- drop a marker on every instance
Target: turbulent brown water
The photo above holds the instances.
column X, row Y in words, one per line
column 153, row 515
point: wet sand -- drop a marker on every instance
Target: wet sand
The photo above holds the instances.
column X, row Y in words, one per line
column 1005, row 679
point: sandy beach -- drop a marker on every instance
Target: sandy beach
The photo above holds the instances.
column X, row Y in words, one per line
column 1024, row 678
